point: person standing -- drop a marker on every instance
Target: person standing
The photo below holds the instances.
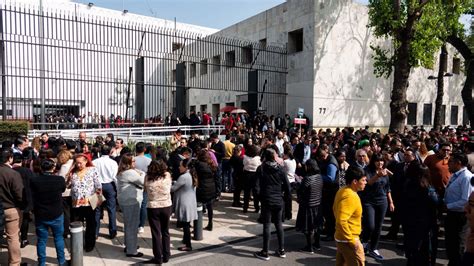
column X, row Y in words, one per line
column 439, row 169
column 251, row 163
column 130, row 183
column 84, row 182
column 218, row 148
column 142, row 162
column 227, row 180
column 184, row 198
column 348, row 212
column 456, row 197
column 107, row 170
column 273, row 189
column 158, row 187
column 206, row 171
column 47, row 192
column 11, row 197
column 468, row 257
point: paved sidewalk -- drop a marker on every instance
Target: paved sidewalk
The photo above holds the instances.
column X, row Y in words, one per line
column 230, row 224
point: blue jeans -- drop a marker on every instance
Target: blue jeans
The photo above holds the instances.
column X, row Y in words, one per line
column 57, row 228
column 143, row 211
column 226, row 175
column 108, row 190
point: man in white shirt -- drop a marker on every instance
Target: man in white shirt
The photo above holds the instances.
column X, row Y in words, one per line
column 142, row 162
column 107, row 169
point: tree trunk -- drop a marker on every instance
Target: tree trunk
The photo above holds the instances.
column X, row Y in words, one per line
column 398, row 103
column 468, row 87
column 440, row 90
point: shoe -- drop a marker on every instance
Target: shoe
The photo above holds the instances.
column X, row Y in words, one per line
column 165, row 260
column 125, row 249
column 152, row 261
column 280, row 253
column 88, row 249
column 113, row 235
column 307, row 250
column 209, row 227
column 375, row 254
column 185, row 248
column 141, row 230
column 138, row 255
column 316, row 246
column 24, row 243
column 262, row 255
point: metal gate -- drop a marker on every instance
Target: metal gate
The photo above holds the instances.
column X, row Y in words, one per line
column 64, row 65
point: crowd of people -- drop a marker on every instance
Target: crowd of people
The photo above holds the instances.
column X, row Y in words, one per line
column 345, row 182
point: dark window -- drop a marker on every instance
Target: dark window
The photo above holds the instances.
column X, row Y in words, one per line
column 465, row 117
column 247, row 56
column 192, row 70
column 216, row 63
column 203, row 107
column 412, row 112
column 263, row 43
column 230, row 59
column 204, row 67
column 456, row 65
column 295, row 41
column 454, row 114
column 443, row 115
column 427, row 113
column 173, row 74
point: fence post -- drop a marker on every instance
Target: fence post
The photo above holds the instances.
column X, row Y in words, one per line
column 77, row 232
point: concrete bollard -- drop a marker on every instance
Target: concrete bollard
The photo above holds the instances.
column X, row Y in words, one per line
column 77, row 236
column 198, row 223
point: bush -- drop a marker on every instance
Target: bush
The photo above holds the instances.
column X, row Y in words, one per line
column 9, row 130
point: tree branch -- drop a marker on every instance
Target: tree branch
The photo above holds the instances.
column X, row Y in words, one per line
column 461, row 46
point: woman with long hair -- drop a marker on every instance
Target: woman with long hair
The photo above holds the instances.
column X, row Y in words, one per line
column 158, row 186
column 130, row 183
column 185, row 207
column 237, row 163
column 375, row 199
column 206, row 190
column 419, row 217
column 83, row 179
column 251, row 163
column 340, row 156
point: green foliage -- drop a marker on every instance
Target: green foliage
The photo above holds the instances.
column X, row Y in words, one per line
column 432, row 21
column 470, row 37
column 10, row 130
column 166, row 144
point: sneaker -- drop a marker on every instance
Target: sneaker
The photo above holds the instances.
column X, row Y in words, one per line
column 280, row 253
column 262, row 255
column 141, row 230
column 316, row 246
column 307, row 250
column 375, row 254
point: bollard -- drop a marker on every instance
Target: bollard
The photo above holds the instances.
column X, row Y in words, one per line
column 198, row 223
column 77, row 236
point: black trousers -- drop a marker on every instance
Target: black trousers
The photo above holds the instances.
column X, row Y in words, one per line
column 159, row 219
column 327, row 201
column 248, row 181
column 186, row 234
column 455, row 227
column 86, row 213
column 272, row 215
column 372, row 220
column 67, row 205
column 25, row 222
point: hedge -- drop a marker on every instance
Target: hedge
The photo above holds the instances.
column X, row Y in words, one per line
column 9, row 130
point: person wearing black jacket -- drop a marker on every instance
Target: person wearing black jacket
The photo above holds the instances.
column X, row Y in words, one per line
column 26, row 175
column 273, row 189
column 47, row 192
column 206, row 191
column 218, row 148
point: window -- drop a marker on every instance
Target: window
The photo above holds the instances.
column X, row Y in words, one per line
column 192, row 108
column 427, row 113
column 465, row 117
column 230, row 59
column 203, row 107
column 176, row 46
column 173, row 75
column 443, row 115
column 454, row 114
column 204, row 67
column 192, row 70
column 230, row 104
column 412, row 112
column 247, row 56
column 263, row 43
column 295, row 41
column 216, row 63
column 456, row 65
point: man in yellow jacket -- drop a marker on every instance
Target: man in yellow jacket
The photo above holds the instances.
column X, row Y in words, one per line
column 348, row 212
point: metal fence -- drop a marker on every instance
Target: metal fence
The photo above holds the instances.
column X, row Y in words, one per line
column 65, row 63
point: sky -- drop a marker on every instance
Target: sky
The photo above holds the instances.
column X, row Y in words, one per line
column 217, row 14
